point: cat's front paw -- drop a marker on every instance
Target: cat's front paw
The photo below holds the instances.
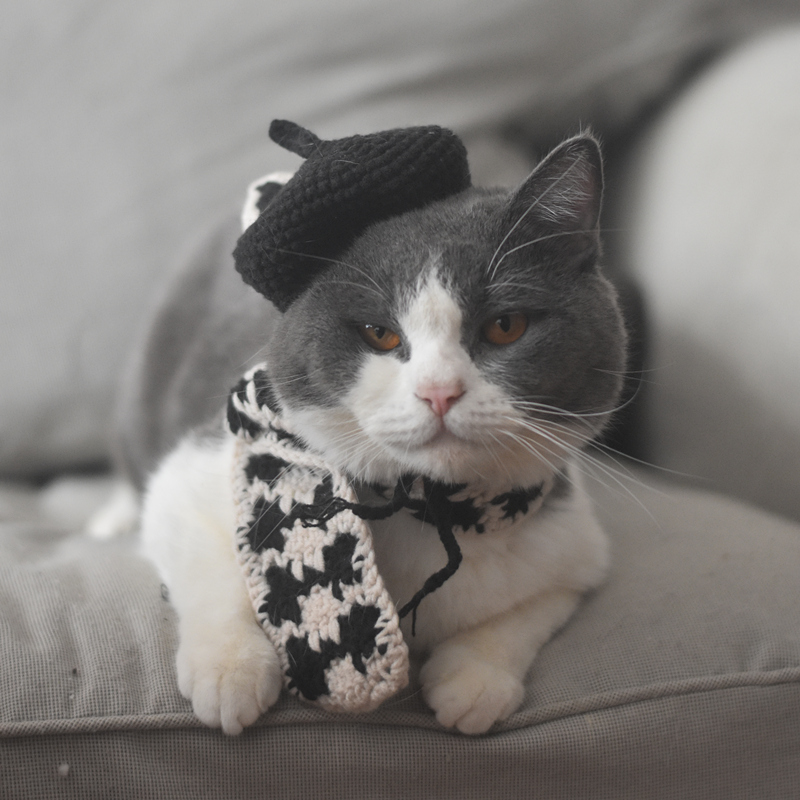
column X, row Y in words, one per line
column 231, row 676
column 466, row 691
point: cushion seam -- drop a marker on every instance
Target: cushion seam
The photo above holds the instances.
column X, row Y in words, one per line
column 604, row 701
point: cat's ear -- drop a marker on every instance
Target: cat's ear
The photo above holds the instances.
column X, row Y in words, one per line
column 558, row 205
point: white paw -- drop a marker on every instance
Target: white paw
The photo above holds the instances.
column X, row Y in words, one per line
column 231, row 676
column 466, row 691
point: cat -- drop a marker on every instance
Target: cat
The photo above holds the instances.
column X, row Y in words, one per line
column 473, row 341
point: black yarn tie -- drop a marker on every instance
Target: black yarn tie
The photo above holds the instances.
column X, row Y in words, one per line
column 401, row 498
column 454, row 557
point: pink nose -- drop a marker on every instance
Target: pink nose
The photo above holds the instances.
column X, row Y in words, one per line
column 440, row 398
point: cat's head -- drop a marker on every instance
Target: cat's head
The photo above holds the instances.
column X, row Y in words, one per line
column 475, row 338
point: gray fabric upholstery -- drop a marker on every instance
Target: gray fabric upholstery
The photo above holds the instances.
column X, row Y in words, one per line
column 712, row 206
column 679, row 678
column 125, row 127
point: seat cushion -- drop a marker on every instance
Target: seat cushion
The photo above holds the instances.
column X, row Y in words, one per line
column 680, row 677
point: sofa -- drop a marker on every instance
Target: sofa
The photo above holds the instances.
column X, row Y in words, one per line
column 130, row 131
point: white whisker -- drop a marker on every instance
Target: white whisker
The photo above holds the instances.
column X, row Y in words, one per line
column 527, row 211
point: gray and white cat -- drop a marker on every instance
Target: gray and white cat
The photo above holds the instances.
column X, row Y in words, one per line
column 472, row 341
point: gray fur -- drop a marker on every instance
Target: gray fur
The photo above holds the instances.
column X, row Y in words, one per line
column 212, row 327
column 205, row 331
column 572, row 357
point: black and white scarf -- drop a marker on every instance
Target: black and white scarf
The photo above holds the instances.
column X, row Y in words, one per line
column 306, row 550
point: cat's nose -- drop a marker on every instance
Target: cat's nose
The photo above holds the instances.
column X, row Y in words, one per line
column 440, row 398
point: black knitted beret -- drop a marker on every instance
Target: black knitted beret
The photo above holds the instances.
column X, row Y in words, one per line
column 343, row 186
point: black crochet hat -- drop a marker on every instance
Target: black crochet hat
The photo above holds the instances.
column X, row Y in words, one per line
column 343, row 186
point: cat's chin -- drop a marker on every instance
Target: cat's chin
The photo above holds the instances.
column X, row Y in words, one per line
column 439, row 454
column 445, row 457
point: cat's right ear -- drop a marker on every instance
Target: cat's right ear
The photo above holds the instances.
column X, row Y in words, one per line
column 558, row 205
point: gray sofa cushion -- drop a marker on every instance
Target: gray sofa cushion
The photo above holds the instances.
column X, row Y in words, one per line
column 679, row 678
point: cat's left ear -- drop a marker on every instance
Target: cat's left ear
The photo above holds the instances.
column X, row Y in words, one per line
column 559, row 203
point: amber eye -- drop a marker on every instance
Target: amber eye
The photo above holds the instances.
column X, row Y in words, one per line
column 506, row 328
column 378, row 337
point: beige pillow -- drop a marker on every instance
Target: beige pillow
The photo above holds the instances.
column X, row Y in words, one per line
column 712, row 207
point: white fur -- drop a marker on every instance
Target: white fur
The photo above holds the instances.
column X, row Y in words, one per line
column 226, row 665
column 384, row 429
column 481, row 629
column 250, row 210
column 118, row 515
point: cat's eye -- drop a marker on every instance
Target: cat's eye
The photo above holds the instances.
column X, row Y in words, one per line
column 378, row 337
column 505, row 328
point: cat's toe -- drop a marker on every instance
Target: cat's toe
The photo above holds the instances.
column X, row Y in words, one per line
column 231, row 679
column 467, row 692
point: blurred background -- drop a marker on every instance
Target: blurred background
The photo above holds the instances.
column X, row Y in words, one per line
column 129, row 129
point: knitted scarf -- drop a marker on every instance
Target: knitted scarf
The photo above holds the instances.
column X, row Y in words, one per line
column 306, row 550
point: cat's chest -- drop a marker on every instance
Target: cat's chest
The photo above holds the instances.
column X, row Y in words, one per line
column 560, row 546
